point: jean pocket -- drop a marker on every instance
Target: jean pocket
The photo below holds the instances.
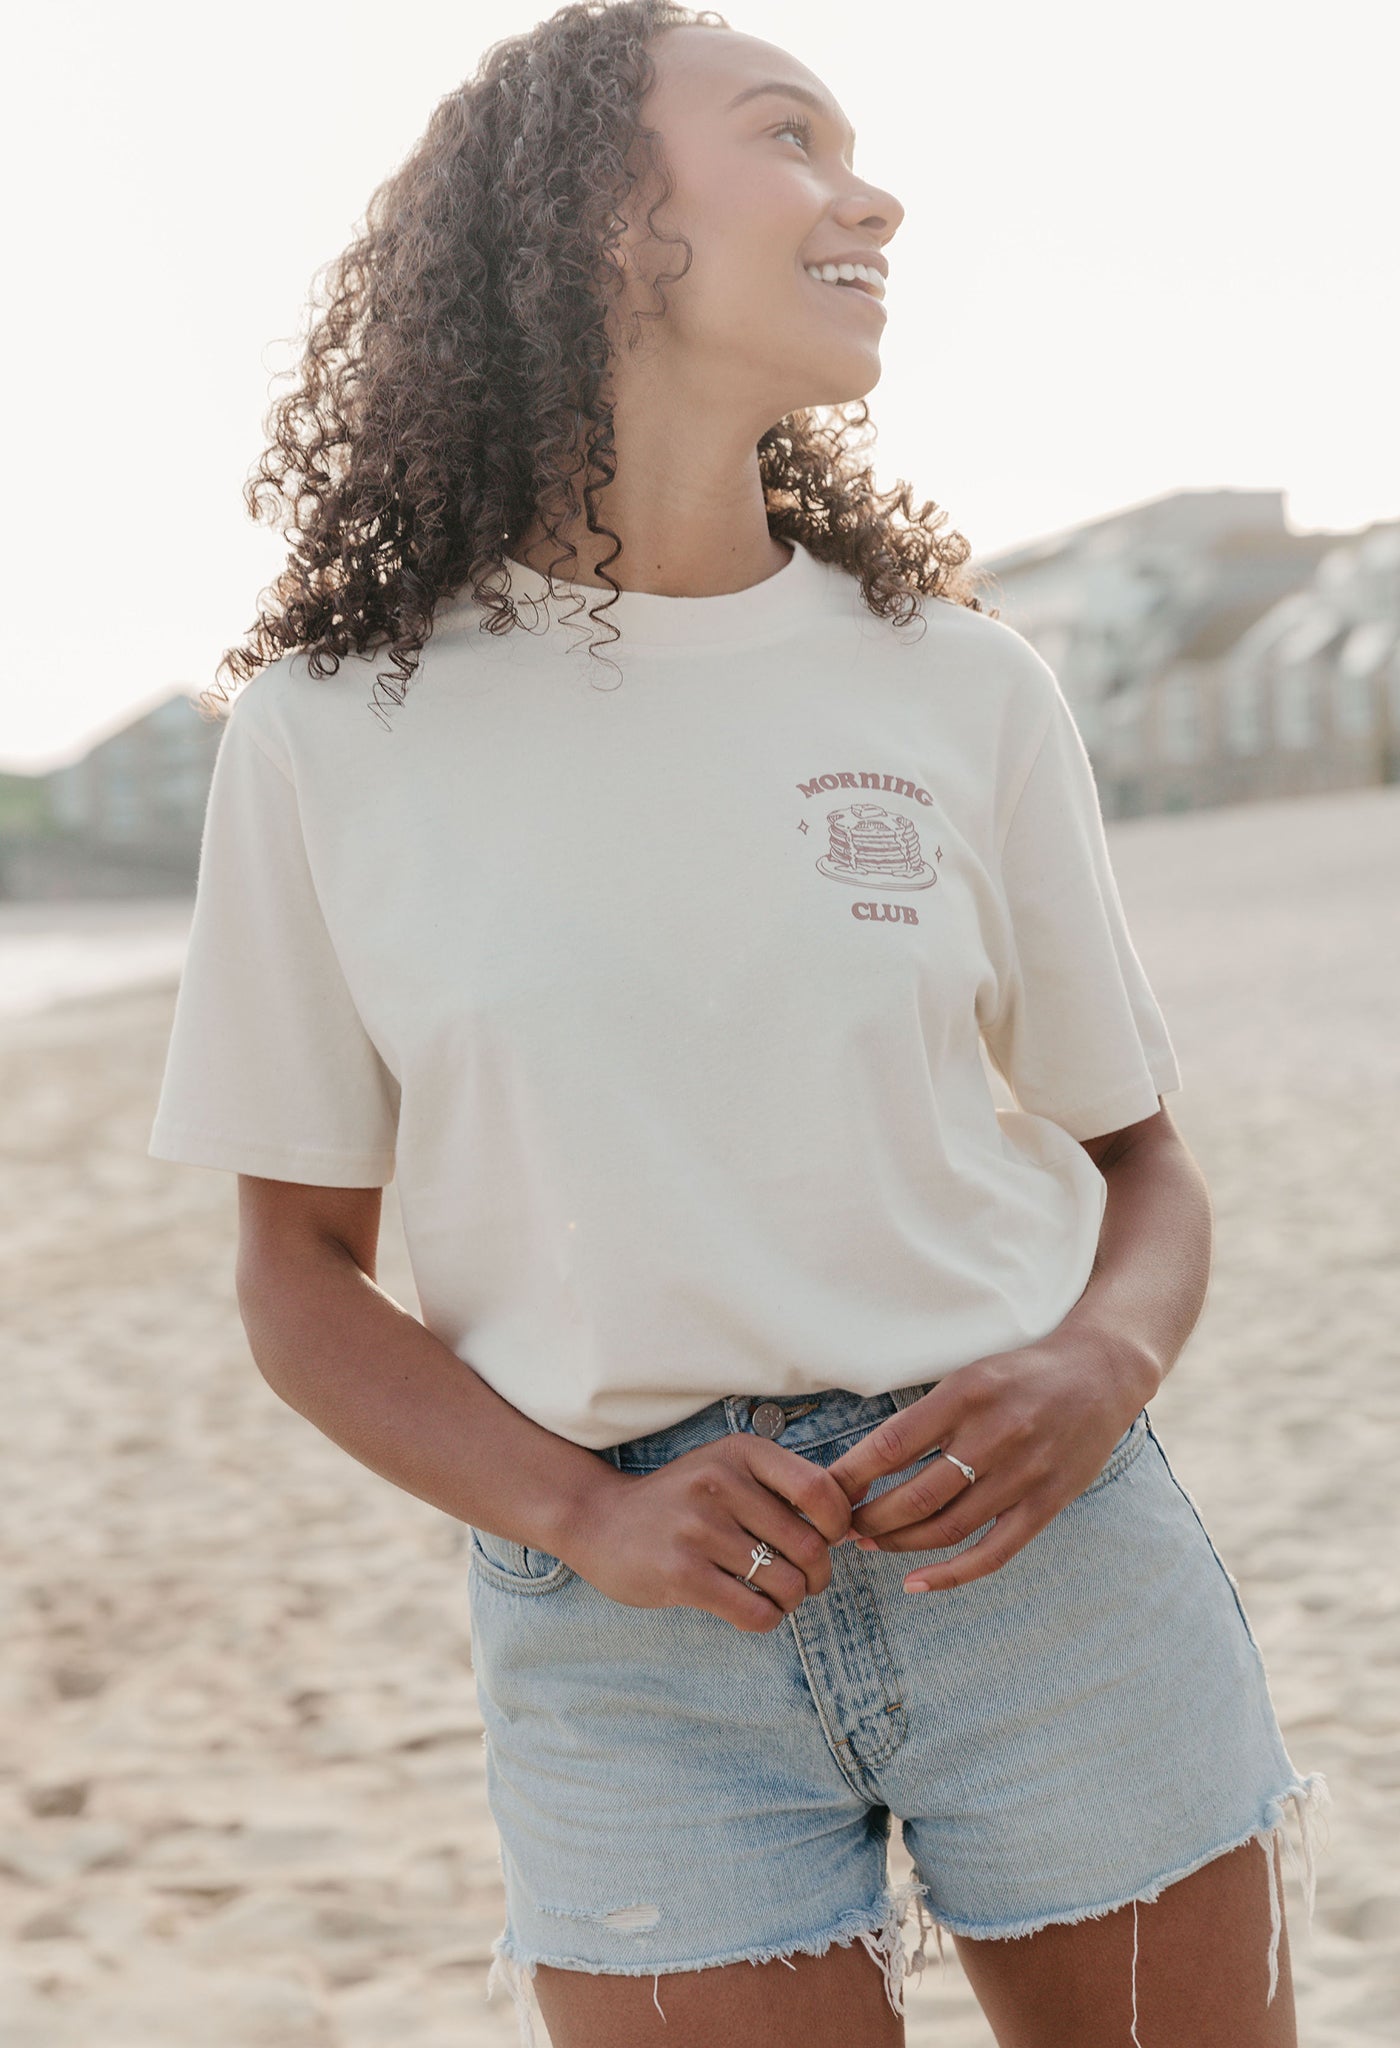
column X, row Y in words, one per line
column 515, row 1565
column 1127, row 1448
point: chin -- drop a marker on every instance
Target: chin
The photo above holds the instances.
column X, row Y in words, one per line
column 837, row 387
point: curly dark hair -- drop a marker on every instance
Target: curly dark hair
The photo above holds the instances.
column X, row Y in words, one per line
column 459, row 367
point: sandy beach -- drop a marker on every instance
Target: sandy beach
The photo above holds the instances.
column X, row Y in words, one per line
column 241, row 1788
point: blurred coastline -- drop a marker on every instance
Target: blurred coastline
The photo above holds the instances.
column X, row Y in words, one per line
column 241, row 1774
column 1211, row 653
column 54, row 949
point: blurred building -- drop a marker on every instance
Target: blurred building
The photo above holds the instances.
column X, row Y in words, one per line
column 1211, row 656
column 1214, row 656
column 124, row 820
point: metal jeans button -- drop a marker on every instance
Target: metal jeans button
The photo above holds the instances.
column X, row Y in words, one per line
column 768, row 1419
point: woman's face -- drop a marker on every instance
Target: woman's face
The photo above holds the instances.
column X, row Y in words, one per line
column 764, row 186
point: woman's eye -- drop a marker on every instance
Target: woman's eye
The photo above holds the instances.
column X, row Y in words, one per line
column 798, row 126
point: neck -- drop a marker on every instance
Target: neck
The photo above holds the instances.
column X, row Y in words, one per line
column 686, row 503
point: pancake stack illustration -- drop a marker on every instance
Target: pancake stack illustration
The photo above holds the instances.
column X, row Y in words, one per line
column 872, row 844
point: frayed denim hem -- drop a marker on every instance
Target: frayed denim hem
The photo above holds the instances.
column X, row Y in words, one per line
column 884, row 1941
column 1310, row 1798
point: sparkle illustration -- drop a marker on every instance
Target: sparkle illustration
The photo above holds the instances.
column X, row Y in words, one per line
column 869, row 843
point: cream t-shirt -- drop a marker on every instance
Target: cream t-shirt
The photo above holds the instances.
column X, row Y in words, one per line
column 663, row 989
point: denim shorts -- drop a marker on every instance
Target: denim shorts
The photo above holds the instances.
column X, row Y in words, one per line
column 1059, row 1738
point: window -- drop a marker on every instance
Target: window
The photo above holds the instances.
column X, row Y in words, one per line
column 1353, row 703
column 1242, row 710
column 1295, row 707
column 1179, row 719
column 1121, row 726
column 1358, row 679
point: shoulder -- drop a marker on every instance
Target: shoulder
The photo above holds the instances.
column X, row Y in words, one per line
column 998, row 648
column 978, row 667
column 248, row 716
column 296, row 718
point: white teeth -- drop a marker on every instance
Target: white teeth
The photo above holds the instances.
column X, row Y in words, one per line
column 848, row 273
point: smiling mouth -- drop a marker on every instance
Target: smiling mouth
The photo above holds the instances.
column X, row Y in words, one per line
column 853, row 288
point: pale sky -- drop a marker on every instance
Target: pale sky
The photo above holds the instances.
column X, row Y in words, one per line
column 1144, row 250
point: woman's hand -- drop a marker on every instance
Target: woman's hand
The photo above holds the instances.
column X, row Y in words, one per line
column 1036, row 1425
column 684, row 1535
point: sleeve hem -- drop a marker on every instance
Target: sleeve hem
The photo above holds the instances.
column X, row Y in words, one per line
column 314, row 1165
column 1126, row 1105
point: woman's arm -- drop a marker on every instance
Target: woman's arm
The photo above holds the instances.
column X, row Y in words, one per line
column 333, row 1345
column 1148, row 1282
column 1037, row 1423
column 377, row 1382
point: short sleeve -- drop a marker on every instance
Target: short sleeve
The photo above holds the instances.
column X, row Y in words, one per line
column 269, row 1069
column 1078, row 1033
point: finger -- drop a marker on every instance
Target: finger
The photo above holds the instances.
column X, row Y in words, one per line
column 778, row 1579
column 954, row 1525
column 1010, row 1534
column 897, row 1442
column 807, row 1487
column 723, row 1595
column 799, row 1543
column 936, row 1487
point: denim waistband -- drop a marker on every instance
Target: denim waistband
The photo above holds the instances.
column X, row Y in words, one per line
column 810, row 1420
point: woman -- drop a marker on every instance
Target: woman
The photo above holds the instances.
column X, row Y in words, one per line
column 660, row 973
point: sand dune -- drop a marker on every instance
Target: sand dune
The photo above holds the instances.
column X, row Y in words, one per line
column 241, row 1794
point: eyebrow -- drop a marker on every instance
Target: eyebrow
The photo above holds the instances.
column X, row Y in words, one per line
column 792, row 92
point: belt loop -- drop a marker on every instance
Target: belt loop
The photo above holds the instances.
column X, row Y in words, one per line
column 905, row 1397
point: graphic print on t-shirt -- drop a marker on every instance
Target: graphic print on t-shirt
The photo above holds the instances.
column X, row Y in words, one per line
column 870, row 842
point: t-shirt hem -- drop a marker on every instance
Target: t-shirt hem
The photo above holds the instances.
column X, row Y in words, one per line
column 307, row 1163
column 1112, row 1112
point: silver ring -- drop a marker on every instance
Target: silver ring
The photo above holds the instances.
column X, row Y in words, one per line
column 760, row 1554
column 966, row 1470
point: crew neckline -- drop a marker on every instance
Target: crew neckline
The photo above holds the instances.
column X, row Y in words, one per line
column 645, row 619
